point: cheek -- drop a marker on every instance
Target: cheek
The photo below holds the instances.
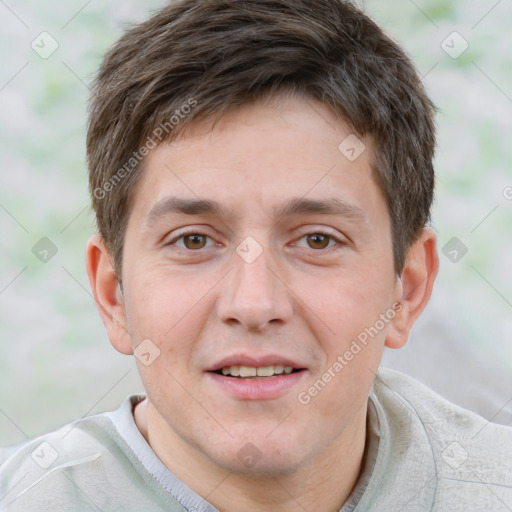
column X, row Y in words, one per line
column 165, row 302
column 352, row 309
column 349, row 302
column 342, row 386
column 171, row 317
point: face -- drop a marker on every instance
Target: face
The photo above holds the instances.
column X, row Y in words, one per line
column 256, row 249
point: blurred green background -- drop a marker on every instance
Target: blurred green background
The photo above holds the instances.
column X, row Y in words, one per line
column 56, row 363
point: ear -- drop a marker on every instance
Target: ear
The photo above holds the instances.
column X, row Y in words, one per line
column 107, row 294
column 416, row 284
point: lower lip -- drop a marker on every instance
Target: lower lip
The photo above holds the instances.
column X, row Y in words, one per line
column 263, row 389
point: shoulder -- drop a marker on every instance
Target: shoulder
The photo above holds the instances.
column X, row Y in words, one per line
column 32, row 471
column 440, row 417
column 467, row 458
column 84, row 465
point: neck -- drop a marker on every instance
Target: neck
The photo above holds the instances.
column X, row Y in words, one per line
column 322, row 483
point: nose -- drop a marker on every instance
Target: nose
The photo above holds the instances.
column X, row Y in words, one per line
column 254, row 294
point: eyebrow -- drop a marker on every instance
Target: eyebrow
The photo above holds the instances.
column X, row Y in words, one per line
column 294, row 207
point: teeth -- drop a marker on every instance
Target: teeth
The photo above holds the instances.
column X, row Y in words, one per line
column 251, row 371
column 265, row 371
column 247, row 371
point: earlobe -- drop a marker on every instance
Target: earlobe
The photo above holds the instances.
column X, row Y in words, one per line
column 107, row 294
column 417, row 282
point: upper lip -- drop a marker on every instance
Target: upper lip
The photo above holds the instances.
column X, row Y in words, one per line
column 254, row 361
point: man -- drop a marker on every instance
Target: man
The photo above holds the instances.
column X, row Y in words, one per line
column 261, row 173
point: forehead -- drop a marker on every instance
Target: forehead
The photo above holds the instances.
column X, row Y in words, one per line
column 287, row 156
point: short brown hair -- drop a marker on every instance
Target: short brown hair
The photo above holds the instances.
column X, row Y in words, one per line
column 214, row 55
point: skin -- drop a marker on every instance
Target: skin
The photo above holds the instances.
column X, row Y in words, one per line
column 303, row 298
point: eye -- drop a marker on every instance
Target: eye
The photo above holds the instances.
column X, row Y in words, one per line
column 319, row 240
column 194, row 241
column 191, row 241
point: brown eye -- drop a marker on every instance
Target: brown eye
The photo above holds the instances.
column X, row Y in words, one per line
column 318, row 241
column 194, row 241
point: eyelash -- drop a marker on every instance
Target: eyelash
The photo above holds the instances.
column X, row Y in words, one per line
column 323, row 233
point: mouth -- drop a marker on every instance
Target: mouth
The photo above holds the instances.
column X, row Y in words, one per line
column 256, row 372
column 256, row 378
